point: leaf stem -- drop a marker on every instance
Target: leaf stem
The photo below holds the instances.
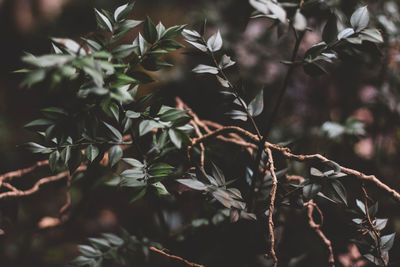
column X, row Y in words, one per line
column 267, row 129
column 235, row 91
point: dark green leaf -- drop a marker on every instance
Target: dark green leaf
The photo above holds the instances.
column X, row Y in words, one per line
column 361, row 205
column 53, row 160
column 214, row 43
column 161, row 190
column 133, row 162
column 256, row 106
column 311, row 190
column 113, row 133
column 192, row 183
column 102, row 21
column 330, row 31
column 360, row 19
column 340, row 190
column 387, row 242
column 123, row 11
column 91, row 152
column 150, row 31
column 36, row 148
column 139, row 195
column 115, row 154
column 205, row 69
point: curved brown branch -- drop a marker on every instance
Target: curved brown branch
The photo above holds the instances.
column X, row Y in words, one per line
column 311, row 205
column 42, row 181
column 272, row 195
column 21, row 172
column 289, row 155
column 176, row 257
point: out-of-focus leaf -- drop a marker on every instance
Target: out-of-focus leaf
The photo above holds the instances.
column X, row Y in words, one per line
column 256, row 106
column 192, row 183
column 214, row 43
column 205, row 69
column 360, row 19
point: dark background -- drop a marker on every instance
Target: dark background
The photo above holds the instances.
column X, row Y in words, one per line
column 366, row 89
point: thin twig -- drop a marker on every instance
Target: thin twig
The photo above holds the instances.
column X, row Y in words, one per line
column 176, row 257
column 299, row 157
column 371, row 224
column 42, row 181
column 311, row 205
column 21, row 172
column 274, row 114
column 272, row 196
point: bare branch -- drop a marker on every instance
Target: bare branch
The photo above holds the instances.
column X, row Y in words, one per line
column 176, row 257
column 42, row 181
column 272, row 196
column 21, row 172
column 311, row 205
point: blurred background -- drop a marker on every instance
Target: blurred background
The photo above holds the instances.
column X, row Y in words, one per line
column 350, row 115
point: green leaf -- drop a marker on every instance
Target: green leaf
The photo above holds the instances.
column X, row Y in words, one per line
column 237, row 115
column 277, row 10
column 161, row 190
column 160, row 30
column 113, row 239
column 103, row 21
column 380, row 224
column 387, row 242
column 150, row 31
column 123, row 51
column 171, row 114
column 256, row 106
column 361, row 205
column 147, row 126
column 360, row 19
column 66, row 154
column 141, row 43
column 170, row 45
column 160, row 170
column 218, row 174
column 299, row 21
column 34, row 77
column 133, row 174
column 113, row 133
column 53, row 160
column 205, row 69
column 345, row 33
column 198, row 45
column 88, row 251
column 191, row 35
column 192, row 183
column 214, row 43
column 36, row 148
column 123, row 11
column 82, row 260
column 330, row 31
column 91, row 152
column 173, row 32
column 311, row 190
column 226, row 62
column 139, row 195
column 371, row 35
column 39, row 124
column 115, row 154
column 132, row 114
column 93, row 45
column 99, row 242
column 175, row 138
column 133, row 162
column 340, row 190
